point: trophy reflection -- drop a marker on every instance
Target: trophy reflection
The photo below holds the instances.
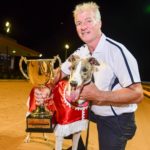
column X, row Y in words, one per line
column 40, row 72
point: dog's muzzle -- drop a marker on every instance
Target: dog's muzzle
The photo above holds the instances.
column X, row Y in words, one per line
column 73, row 83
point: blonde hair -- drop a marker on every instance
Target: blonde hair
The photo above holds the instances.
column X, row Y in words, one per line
column 87, row 6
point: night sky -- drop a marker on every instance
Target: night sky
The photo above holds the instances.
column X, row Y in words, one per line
column 46, row 26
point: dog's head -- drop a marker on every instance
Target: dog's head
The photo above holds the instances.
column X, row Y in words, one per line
column 81, row 73
column 81, row 70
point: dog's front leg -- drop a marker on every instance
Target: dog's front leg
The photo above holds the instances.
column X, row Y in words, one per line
column 75, row 141
column 28, row 137
column 59, row 142
column 45, row 136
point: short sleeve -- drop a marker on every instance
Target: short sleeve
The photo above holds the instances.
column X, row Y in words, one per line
column 126, row 67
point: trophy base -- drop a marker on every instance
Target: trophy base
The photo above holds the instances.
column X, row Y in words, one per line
column 40, row 123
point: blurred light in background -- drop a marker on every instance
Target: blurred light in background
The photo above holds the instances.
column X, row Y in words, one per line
column 7, row 27
column 66, row 49
column 40, row 55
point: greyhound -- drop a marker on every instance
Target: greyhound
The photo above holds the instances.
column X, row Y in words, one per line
column 81, row 74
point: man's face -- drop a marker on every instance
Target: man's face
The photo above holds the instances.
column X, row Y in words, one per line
column 88, row 28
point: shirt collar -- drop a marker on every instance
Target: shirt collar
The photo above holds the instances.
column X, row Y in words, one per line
column 100, row 45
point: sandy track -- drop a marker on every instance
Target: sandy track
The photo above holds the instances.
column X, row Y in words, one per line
column 13, row 97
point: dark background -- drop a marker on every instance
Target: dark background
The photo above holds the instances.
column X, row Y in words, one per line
column 46, row 26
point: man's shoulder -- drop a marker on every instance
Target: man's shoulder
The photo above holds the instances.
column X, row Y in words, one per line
column 113, row 42
column 82, row 50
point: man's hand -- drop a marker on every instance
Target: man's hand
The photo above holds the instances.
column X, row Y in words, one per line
column 41, row 94
column 89, row 92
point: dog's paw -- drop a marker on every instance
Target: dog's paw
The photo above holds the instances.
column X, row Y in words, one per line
column 27, row 140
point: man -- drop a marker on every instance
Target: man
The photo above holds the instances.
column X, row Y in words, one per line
column 116, row 89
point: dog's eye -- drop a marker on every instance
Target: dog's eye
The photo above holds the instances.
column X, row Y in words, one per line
column 84, row 69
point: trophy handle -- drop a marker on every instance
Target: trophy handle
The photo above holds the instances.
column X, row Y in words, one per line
column 54, row 61
column 57, row 58
column 20, row 66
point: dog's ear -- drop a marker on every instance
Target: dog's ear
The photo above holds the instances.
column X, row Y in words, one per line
column 93, row 61
column 73, row 58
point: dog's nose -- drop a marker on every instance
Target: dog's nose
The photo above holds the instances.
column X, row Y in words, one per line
column 73, row 83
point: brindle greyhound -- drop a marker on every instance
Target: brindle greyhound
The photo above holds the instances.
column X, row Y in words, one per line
column 81, row 74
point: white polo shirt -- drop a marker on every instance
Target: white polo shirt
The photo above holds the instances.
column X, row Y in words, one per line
column 118, row 68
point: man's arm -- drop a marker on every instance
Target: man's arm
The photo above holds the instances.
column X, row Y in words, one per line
column 131, row 94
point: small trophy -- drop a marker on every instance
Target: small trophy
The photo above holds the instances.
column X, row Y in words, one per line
column 39, row 72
